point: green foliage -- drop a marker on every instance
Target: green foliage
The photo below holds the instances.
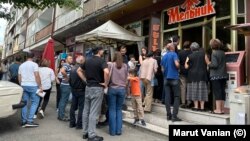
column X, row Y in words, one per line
column 37, row 4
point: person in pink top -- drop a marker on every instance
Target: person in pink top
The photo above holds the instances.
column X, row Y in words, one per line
column 148, row 69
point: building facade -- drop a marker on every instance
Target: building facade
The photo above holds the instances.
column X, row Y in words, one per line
column 156, row 20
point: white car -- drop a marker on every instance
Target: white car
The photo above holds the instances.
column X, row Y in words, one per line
column 10, row 98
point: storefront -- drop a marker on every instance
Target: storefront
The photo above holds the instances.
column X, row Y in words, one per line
column 206, row 20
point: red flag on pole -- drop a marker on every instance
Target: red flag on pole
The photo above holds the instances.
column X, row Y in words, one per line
column 49, row 53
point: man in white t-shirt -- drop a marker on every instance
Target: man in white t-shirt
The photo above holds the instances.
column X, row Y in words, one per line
column 29, row 79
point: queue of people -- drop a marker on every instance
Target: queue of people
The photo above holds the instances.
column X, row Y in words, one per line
column 172, row 77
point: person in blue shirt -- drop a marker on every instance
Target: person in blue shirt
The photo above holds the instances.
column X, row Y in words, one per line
column 13, row 69
column 170, row 66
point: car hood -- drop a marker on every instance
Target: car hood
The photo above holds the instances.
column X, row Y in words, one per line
column 9, row 88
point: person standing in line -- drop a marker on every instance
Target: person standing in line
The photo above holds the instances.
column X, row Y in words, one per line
column 142, row 57
column 148, row 69
column 4, row 70
column 197, row 89
column 218, row 75
column 170, row 66
column 183, row 54
column 65, row 88
column 97, row 73
column 176, row 42
column 158, row 78
column 123, row 51
column 78, row 94
column 59, row 77
column 13, row 69
column 136, row 97
column 47, row 76
column 132, row 62
column 163, row 53
column 28, row 77
column 116, row 93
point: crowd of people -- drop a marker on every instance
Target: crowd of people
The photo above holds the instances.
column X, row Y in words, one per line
column 99, row 88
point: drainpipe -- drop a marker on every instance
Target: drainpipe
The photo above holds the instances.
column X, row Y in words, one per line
column 53, row 27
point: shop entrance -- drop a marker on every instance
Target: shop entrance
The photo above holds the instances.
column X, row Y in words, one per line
column 133, row 50
column 193, row 35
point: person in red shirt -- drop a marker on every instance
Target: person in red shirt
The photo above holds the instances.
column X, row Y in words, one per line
column 136, row 97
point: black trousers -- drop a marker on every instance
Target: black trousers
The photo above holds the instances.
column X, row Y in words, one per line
column 58, row 94
column 78, row 97
column 45, row 100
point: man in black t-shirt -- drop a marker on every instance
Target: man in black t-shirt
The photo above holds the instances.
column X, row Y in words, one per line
column 95, row 72
column 183, row 54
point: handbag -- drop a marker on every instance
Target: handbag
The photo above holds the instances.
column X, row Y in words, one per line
column 110, row 74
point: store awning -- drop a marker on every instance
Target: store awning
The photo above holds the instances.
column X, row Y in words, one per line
column 241, row 28
column 108, row 33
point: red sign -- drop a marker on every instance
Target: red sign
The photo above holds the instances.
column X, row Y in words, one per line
column 191, row 11
column 155, row 36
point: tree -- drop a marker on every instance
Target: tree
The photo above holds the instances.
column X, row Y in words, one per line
column 37, row 4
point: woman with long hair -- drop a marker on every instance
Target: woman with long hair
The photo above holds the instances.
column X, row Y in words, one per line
column 47, row 76
column 142, row 57
column 116, row 93
column 59, row 77
column 144, row 52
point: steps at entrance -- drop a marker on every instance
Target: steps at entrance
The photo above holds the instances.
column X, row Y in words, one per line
column 157, row 121
column 186, row 115
column 149, row 127
column 194, row 116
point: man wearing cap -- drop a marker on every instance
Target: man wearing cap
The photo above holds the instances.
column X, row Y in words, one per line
column 148, row 69
column 95, row 72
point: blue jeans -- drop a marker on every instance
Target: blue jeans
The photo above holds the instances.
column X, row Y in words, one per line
column 174, row 85
column 115, row 100
column 29, row 94
column 65, row 92
column 142, row 87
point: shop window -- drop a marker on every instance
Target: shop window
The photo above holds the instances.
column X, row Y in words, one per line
column 241, row 6
column 145, row 27
column 223, row 34
column 146, row 41
column 167, row 26
column 241, row 37
column 168, row 35
column 222, row 8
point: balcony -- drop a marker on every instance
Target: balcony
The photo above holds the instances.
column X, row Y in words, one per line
column 21, row 45
column 30, row 41
column 33, row 17
column 95, row 5
column 67, row 18
column 43, row 33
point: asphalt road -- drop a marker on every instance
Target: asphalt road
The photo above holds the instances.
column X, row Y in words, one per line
column 51, row 129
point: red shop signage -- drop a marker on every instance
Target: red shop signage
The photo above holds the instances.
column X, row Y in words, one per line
column 191, row 11
column 155, row 36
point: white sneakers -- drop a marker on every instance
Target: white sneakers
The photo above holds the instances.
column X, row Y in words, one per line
column 41, row 113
